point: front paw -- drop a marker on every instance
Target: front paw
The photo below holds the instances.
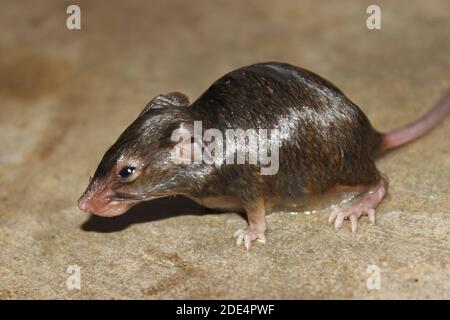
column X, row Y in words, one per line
column 248, row 235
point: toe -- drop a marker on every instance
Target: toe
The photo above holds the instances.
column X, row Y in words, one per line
column 239, row 234
column 247, row 241
column 333, row 216
column 339, row 220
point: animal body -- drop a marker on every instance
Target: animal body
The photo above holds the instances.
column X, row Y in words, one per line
column 326, row 147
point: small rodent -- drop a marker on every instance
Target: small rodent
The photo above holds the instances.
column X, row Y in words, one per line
column 327, row 148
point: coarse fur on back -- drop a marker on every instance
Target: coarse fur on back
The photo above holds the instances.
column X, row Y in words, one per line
column 324, row 136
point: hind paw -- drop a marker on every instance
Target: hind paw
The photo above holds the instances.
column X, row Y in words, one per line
column 365, row 204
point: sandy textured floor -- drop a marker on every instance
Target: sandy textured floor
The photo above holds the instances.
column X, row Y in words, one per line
column 66, row 95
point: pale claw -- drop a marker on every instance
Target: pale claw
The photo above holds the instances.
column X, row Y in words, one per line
column 262, row 239
column 371, row 214
column 354, row 222
column 247, row 241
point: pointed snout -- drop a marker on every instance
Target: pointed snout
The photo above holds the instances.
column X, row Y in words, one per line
column 87, row 204
column 84, row 204
column 92, row 202
column 96, row 200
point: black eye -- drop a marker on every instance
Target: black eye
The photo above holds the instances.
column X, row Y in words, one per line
column 127, row 172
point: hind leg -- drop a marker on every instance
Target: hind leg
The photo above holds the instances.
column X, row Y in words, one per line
column 365, row 203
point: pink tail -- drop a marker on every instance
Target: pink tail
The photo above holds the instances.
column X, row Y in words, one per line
column 418, row 128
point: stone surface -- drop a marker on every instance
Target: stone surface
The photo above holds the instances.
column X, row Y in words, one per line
column 66, row 95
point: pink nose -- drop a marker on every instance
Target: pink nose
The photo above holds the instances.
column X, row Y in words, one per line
column 94, row 202
column 84, row 205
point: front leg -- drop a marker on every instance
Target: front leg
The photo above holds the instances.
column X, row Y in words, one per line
column 256, row 216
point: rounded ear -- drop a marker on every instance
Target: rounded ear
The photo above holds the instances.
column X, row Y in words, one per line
column 173, row 99
column 178, row 99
